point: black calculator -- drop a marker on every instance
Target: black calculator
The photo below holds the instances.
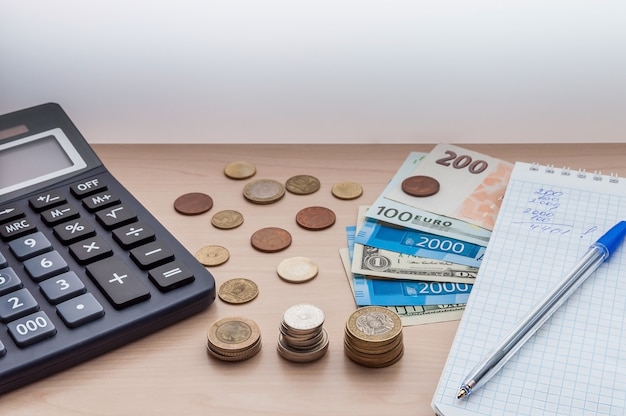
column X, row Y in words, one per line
column 84, row 267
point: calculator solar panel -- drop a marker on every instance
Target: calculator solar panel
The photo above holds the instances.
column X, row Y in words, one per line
column 84, row 267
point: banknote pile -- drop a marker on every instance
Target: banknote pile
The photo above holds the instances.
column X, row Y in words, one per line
column 418, row 247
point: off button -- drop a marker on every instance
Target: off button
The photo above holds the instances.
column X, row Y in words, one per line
column 88, row 187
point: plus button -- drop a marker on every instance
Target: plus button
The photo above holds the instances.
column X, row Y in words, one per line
column 118, row 278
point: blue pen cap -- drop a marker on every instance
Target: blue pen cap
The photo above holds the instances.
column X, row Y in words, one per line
column 613, row 238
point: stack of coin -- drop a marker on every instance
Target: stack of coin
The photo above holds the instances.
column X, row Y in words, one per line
column 373, row 337
column 302, row 336
column 233, row 339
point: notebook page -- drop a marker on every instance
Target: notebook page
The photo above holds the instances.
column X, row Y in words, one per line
column 576, row 363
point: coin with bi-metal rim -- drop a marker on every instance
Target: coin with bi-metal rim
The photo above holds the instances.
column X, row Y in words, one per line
column 420, row 186
column 270, row 239
column 193, row 203
column 238, row 291
column 315, row 218
column 264, row 191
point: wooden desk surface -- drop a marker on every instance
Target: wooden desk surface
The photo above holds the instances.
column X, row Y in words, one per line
column 170, row 373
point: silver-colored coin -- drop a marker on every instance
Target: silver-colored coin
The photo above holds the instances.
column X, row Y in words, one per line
column 303, row 317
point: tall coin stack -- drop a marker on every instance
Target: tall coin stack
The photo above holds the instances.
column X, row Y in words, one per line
column 373, row 337
column 233, row 339
column 302, row 337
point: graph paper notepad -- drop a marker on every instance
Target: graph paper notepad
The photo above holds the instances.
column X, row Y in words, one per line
column 576, row 363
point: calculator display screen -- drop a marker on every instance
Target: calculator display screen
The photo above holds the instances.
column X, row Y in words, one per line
column 35, row 159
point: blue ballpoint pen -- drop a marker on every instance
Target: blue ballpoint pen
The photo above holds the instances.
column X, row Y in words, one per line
column 543, row 310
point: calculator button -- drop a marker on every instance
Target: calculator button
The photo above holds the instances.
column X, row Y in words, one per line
column 87, row 187
column 59, row 214
column 151, row 255
column 9, row 281
column 73, row 231
column 115, row 216
column 17, row 304
column 133, row 235
column 100, row 201
column 62, row 287
column 30, row 245
column 118, row 282
column 80, row 310
column 3, row 349
column 10, row 212
column 170, row 276
column 45, row 265
column 31, row 329
column 46, row 200
column 16, row 228
column 90, row 250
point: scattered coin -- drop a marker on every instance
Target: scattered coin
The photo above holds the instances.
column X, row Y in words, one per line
column 297, row 269
column 302, row 184
column 233, row 339
column 193, row 203
column 373, row 337
column 264, row 191
column 227, row 219
column 240, row 170
column 271, row 239
column 420, row 186
column 315, row 218
column 302, row 337
column 212, row 255
column 347, row 190
column 238, row 291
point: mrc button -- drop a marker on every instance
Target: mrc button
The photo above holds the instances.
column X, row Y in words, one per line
column 88, row 187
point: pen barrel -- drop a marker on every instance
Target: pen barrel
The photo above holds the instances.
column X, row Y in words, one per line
column 535, row 318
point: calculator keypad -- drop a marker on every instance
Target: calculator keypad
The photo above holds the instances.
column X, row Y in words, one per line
column 80, row 236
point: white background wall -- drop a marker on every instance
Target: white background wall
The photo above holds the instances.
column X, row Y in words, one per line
column 321, row 71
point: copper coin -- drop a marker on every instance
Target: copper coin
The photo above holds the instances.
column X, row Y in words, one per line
column 240, row 170
column 264, row 191
column 193, row 203
column 302, row 184
column 420, row 186
column 315, row 218
column 270, row 239
column 347, row 190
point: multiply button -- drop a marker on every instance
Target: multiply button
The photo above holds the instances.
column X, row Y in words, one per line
column 118, row 282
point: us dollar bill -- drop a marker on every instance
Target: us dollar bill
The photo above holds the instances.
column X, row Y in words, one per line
column 377, row 262
column 419, row 315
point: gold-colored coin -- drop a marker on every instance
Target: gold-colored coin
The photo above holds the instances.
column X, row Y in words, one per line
column 240, row 170
column 374, row 324
column 302, row 184
column 264, row 191
column 233, row 339
column 297, row 269
column 212, row 255
column 347, row 190
column 227, row 219
column 238, row 291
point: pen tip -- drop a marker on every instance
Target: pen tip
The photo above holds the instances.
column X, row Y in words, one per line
column 462, row 393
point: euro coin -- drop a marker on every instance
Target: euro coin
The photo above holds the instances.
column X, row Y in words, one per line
column 212, row 255
column 315, row 218
column 297, row 269
column 270, row 239
column 238, row 291
column 347, row 190
column 240, row 170
column 420, row 186
column 227, row 219
column 193, row 203
column 264, row 191
column 302, row 184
